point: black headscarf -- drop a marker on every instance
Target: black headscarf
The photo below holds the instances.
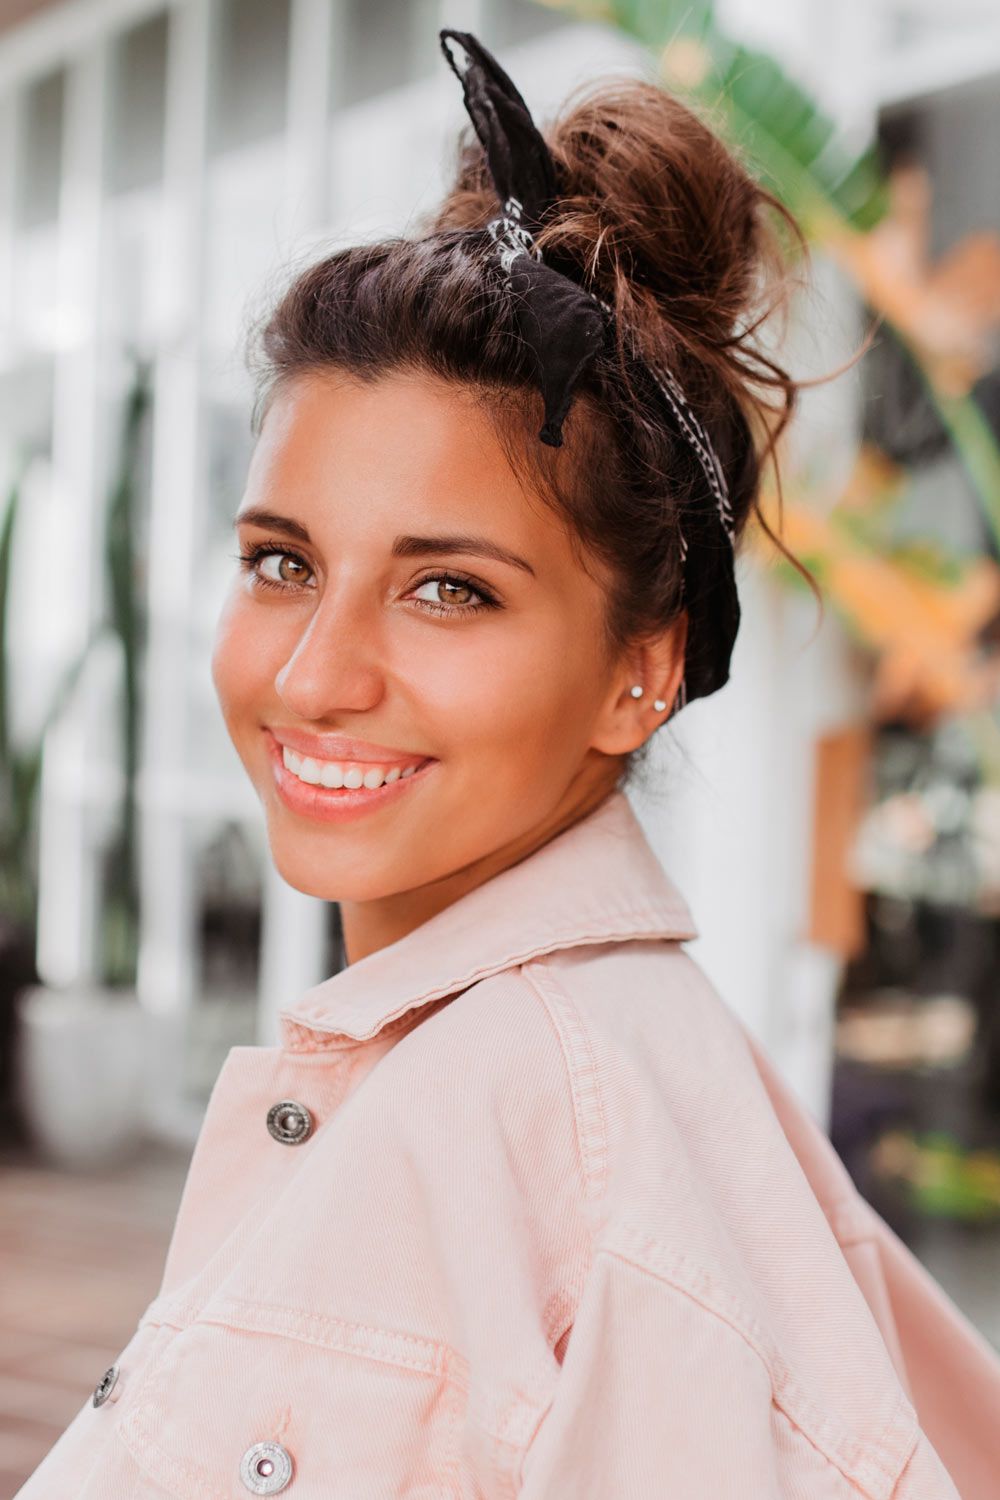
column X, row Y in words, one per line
column 565, row 325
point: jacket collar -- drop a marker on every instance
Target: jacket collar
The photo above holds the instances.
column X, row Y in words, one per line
column 597, row 882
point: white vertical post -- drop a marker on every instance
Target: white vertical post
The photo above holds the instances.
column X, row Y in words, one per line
column 67, row 884
column 293, row 928
column 10, row 146
column 738, row 835
column 168, row 941
column 467, row 15
column 293, row 944
column 307, row 131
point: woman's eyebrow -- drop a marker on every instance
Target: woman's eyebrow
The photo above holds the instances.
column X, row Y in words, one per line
column 403, row 546
column 269, row 520
column 422, row 546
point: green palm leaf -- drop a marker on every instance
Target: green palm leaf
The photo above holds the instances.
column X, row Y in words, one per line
column 794, row 145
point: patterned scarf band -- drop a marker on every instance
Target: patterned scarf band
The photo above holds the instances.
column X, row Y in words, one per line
column 566, row 325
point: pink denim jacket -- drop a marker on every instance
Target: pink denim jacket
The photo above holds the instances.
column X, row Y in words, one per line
column 533, row 1217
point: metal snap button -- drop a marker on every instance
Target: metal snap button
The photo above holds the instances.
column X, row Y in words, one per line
column 105, row 1385
column 266, row 1468
column 289, row 1122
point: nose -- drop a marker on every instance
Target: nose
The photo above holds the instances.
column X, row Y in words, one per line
column 334, row 666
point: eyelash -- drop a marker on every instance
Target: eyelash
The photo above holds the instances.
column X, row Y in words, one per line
column 250, row 560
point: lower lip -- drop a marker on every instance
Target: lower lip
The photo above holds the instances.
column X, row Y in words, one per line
column 331, row 804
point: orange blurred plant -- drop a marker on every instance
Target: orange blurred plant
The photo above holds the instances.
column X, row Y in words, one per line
column 916, row 606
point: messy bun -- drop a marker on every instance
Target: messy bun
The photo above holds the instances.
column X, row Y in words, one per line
column 664, row 223
column 656, row 212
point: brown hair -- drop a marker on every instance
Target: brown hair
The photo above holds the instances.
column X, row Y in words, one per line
column 662, row 221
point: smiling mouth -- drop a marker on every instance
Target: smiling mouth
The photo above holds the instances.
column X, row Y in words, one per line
column 334, row 775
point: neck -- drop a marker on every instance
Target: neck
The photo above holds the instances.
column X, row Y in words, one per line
column 371, row 925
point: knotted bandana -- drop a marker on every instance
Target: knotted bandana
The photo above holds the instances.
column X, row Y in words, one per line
column 565, row 326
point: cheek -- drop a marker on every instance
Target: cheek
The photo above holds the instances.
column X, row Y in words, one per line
column 512, row 694
column 241, row 664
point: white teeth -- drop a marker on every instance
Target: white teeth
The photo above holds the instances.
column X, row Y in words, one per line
column 336, row 774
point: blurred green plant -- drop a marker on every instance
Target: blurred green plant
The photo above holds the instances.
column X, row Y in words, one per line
column 940, row 1176
column 20, row 764
column 126, row 621
column 793, row 145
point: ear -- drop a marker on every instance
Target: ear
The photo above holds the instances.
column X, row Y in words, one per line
column 656, row 665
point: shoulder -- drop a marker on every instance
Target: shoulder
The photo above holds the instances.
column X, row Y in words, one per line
column 541, row 1024
column 495, row 1032
column 666, row 1091
column 572, row 1034
column 488, row 1069
column 640, row 1006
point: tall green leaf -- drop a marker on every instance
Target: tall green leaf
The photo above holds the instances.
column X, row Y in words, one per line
column 126, row 621
column 6, row 556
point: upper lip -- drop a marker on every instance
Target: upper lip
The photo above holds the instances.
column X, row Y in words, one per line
column 340, row 747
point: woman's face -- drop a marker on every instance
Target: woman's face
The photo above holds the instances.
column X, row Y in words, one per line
column 409, row 618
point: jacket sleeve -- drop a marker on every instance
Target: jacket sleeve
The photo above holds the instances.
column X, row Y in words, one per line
column 949, row 1370
column 656, row 1396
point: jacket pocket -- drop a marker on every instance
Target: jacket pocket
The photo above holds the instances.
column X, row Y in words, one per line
column 668, row 1377
column 354, row 1410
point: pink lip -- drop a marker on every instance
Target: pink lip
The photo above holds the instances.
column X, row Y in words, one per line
column 330, row 805
column 342, row 747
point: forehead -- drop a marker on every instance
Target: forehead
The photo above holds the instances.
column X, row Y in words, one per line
column 405, row 441
column 362, row 464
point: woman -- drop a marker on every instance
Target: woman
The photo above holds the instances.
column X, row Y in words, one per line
column 516, row 1207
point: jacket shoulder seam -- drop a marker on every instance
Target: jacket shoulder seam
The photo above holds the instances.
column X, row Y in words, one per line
column 584, row 1083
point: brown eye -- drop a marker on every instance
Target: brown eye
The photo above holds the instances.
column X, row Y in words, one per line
column 455, row 592
column 448, row 592
column 290, row 569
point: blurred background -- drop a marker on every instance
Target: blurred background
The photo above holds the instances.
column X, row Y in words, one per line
column 832, row 816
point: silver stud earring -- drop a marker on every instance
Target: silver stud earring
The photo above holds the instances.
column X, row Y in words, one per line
column 636, row 691
column 659, row 705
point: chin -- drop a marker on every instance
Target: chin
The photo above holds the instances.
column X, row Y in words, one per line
column 330, row 877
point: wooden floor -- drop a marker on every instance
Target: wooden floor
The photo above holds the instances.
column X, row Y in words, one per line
column 80, row 1259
